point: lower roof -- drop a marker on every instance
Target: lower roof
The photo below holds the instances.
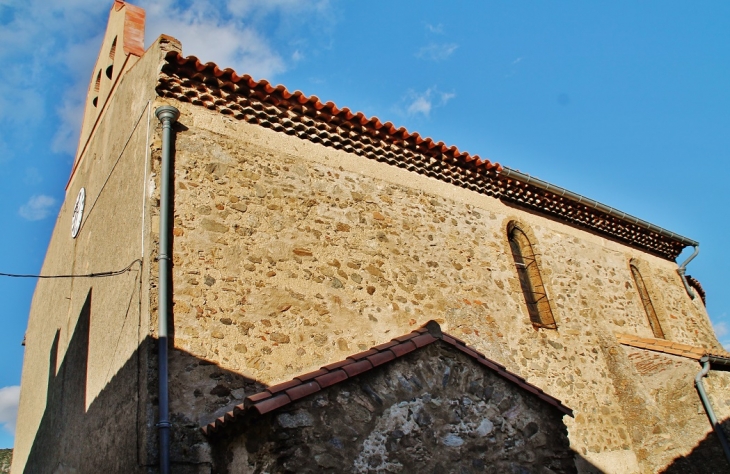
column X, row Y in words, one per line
column 283, row 394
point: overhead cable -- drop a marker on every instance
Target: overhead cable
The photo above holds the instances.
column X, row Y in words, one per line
column 86, row 275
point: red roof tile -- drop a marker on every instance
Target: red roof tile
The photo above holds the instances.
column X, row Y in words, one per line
column 284, row 393
column 265, row 406
column 297, row 101
column 403, row 348
column 381, row 358
column 186, row 79
column 312, row 375
column 357, row 368
column 581, row 215
column 331, row 378
column 694, row 283
column 301, row 391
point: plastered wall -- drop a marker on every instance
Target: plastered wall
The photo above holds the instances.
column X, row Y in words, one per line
column 84, row 375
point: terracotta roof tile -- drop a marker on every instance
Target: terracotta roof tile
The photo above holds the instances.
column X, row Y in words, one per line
column 301, row 391
column 381, row 358
column 491, row 364
column 186, row 79
column 406, row 337
column 311, row 375
column 280, row 96
column 385, row 345
column 331, row 378
column 258, row 397
column 694, row 283
column 423, row 340
column 364, row 354
column 337, row 365
column 270, row 404
column 669, row 347
column 580, row 214
column 403, row 348
column 468, row 351
column 301, row 386
column 282, row 386
column 357, row 368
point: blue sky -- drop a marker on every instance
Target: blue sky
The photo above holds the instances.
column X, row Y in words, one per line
column 625, row 102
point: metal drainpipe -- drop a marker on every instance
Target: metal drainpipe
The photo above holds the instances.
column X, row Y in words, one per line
column 705, row 361
column 683, row 268
column 167, row 115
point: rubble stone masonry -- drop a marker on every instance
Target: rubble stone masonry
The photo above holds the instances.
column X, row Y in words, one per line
column 289, row 255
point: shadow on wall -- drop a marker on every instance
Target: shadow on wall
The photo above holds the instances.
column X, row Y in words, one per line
column 706, row 458
column 117, row 433
column 69, row 436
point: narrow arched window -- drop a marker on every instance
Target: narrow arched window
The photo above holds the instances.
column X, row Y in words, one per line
column 538, row 306
column 113, row 49
column 646, row 302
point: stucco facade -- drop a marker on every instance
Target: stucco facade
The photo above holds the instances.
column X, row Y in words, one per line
column 291, row 252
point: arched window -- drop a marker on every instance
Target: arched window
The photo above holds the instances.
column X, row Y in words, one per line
column 533, row 289
column 646, row 302
column 97, row 86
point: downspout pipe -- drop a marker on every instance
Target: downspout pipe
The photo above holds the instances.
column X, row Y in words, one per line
column 683, row 268
column 705, row 361
column 168, row 116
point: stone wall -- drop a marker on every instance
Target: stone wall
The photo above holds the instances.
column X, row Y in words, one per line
column 289, row 255
column 434, row 410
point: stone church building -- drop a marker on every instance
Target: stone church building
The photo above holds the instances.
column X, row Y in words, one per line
column 265, row 282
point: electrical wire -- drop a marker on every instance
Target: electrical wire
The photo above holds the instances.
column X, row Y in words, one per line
column 87, row 275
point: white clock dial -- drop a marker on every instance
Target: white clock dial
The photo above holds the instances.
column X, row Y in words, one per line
column 78, row 213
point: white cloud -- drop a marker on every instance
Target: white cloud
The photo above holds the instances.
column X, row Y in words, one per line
column 41, row 45
column 436, row 51
column 49, row 50
column 423, row 103
column 246, row 8
column 446, row 96
column 437, row 29
column 226, row 33
column 420, row 105
column 206, row 35
column 71, row 113
column 722, row 329
column 37, row 208
column 9, row 397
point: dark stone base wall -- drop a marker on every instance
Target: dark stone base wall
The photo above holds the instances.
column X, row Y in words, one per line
column 430, row 411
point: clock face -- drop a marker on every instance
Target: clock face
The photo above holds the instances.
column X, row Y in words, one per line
column 78, row 213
